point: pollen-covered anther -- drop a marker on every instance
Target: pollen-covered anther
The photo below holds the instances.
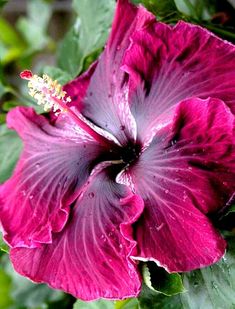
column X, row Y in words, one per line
column 46, row 91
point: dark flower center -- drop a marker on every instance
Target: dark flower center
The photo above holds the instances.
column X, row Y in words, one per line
column 130, row 153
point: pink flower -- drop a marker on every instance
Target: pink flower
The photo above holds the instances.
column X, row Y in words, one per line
column 132, row 165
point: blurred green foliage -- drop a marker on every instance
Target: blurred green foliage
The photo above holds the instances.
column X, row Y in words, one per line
column 160, row 281
column 22, row 43
column 9, row 152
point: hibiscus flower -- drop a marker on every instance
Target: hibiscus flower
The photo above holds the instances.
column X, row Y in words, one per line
column 141, row 152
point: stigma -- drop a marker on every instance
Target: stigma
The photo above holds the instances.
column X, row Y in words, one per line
column 47, row 92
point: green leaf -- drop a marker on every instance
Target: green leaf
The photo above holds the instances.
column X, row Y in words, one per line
column 98, row 304
column 32, row 295
column 2, row 3
column 70, row 56
column 5, row 288
column 33, row 28
column 161, row 9
column 213, row 287
column 3, row 89
column 57, row 74
column 131, row 303
column 3, row 246
column 2, row 118
column 8, row 105
column 8, row 35
column 28, row 294
column 157, row 279
column 10, row 148
column 198, row 9
column 152, row 300
column 186, row 7
column 222, row 31
column 11, row 44
column 210, row 288
column 87, row 35
column 165, row 10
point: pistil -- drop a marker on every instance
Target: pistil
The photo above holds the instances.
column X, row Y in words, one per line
column 51, row 96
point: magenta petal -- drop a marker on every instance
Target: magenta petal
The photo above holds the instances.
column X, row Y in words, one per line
column 90, row 258
column 106, row 103
column 187, row 171
column 170, row 64
column 77, row 88
column 54, row 164
column 177, row 236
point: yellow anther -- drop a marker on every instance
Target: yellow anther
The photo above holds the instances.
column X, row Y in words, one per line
column 46, row 91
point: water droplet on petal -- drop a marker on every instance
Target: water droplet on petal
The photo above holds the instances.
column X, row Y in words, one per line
column 102, row 237
column 91, row 195
column 173, row 142
column 122, row 128
column 184, row 196
column 166, row 191
column 37, row 165
column 23, row 193
column 160, row 226
column 31, row 197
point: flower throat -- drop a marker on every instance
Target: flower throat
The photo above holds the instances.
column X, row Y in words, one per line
column 51, row 96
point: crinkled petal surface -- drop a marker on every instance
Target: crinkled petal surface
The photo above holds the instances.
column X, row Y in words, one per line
column 56, row 161
column 90, row 258
column 106, row 102
column 170, row 64
column 187, row 171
